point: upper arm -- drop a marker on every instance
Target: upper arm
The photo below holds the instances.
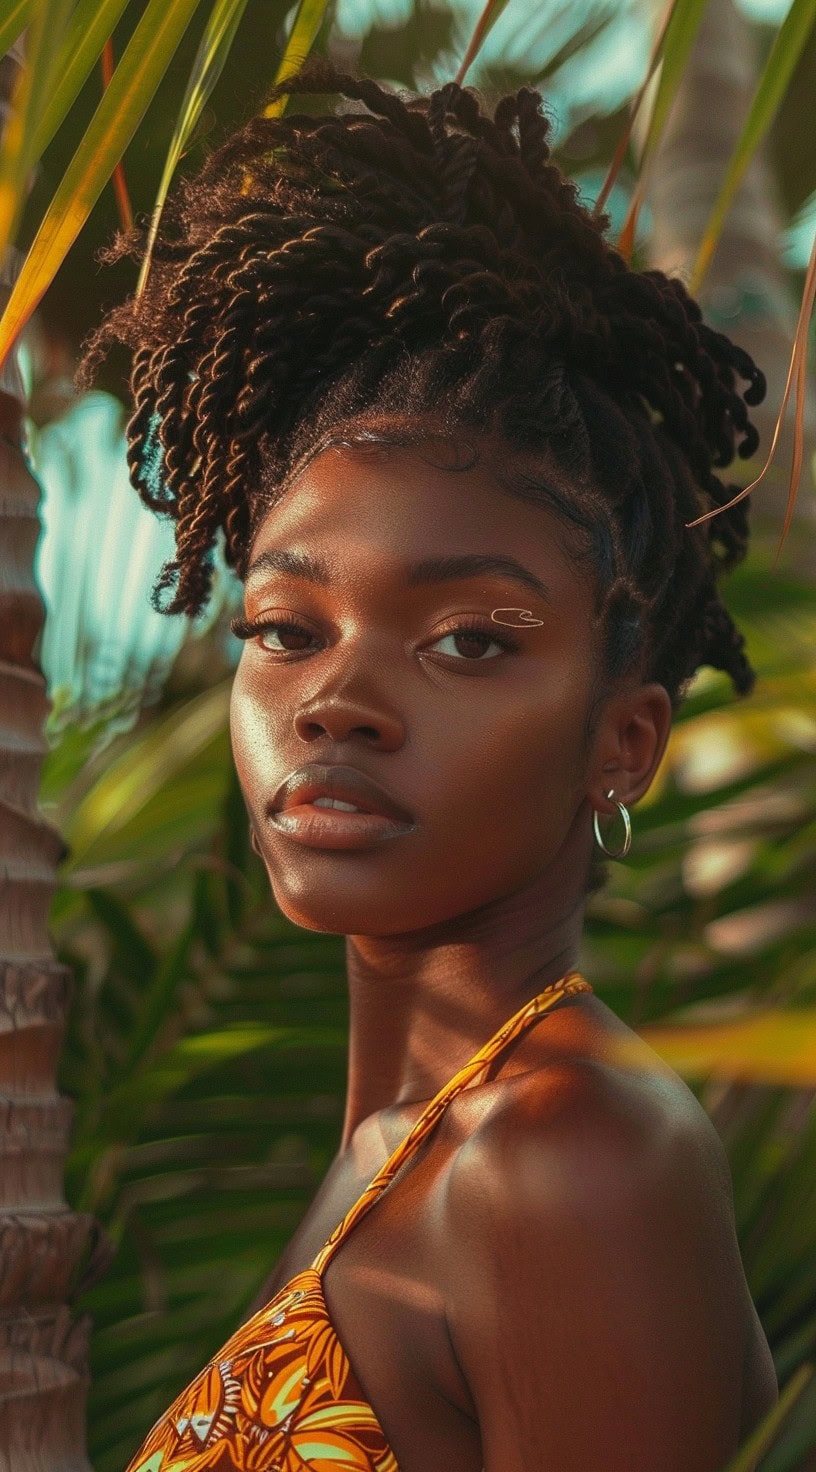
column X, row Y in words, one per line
column 596, row 1296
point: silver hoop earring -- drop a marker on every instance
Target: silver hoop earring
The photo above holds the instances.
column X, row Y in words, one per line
column 627, row 823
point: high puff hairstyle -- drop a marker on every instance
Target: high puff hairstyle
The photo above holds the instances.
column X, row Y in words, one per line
column 416, row 261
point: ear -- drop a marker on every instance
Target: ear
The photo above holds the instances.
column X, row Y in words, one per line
column 629, row 743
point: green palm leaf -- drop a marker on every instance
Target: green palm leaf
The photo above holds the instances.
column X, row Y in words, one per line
column 681, row 33
column 773, row 83
column 44, row 50
column 764, row 1435
column 309, row 18
column 13, row 21
column 92, row 23
column 119, row 113
column 671, row 51
column 208, row 1104
column 182, row 754
column 212, row 53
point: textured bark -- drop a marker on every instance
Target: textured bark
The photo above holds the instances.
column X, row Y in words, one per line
column 747, row 291
column 43, row 1353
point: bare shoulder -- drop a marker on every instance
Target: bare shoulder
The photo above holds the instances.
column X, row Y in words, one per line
column 594, row 1286
column 576, row 1095
column 596, row 1131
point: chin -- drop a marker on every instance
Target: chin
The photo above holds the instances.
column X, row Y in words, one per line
column 363, row 908
column 345, row 916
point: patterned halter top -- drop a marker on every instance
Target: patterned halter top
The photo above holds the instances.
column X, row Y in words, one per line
column 281, row 1395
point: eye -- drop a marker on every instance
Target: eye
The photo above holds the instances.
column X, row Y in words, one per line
column 476, row 638
column 269, row 629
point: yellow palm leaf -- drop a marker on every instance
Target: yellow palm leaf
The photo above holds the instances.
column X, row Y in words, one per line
column 109, row 132
column 48, row 22
column 308, row 20
column 13, row 21
column 92, row 24
column 671, row 51
column 207, row 67
column 774, row 1046
column 773, row 83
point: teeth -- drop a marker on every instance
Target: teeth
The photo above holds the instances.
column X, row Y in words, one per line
column 334, row 802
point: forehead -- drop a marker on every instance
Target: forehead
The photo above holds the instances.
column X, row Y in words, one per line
column 392, row 506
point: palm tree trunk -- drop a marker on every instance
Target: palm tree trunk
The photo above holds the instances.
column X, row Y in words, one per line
column 746, row 292
column 43, row 1359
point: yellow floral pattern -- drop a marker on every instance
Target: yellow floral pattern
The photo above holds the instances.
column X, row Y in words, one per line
column 281, row 1396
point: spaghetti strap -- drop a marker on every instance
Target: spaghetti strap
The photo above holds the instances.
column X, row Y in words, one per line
column 569, row 984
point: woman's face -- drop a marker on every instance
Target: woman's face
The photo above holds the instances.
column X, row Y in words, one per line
column 483, row 742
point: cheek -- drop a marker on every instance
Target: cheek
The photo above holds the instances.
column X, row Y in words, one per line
column 253, row 740
column 548, row 773
column 516, row 774
column 533, row 737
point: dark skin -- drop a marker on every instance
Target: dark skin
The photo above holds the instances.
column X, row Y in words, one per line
column 438, row 1295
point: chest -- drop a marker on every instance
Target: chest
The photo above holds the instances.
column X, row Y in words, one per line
column 382, row 1292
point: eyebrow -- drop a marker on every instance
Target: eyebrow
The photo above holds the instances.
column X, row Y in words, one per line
column 428, row 570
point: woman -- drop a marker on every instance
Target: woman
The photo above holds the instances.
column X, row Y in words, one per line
column 453, row 443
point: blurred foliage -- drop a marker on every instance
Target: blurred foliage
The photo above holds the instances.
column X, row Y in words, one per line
column 105, row 652
column 206, row 1054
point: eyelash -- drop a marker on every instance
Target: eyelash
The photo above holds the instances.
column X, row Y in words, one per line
column 247, row 629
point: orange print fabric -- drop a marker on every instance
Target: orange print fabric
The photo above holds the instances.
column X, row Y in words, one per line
column 280, row 1397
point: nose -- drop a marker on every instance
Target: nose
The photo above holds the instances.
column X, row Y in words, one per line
column 342, row 714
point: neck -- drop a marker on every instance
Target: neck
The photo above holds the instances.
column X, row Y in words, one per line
column 422, row 1004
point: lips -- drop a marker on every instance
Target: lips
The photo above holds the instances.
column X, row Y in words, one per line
column 347, row 784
